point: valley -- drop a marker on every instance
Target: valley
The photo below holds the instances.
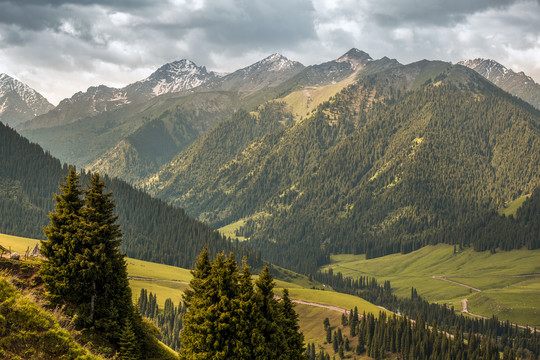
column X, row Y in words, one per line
column 415, row 186
column 505, row 284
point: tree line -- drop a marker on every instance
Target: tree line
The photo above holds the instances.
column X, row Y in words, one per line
column 168, row 320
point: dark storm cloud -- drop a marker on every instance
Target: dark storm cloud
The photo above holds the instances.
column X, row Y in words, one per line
column 117, row 42
column 261, row 23
column 57, row 3
column 439, row 12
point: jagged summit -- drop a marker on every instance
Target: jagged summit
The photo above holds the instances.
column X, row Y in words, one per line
column 19, row 102
column 172, row 77
column 275, row 62
column 355, row 57
column 488, row 68
column 355, row 54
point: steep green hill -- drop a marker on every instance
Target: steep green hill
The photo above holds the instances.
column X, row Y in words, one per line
column 153, row 230
column 407, row 156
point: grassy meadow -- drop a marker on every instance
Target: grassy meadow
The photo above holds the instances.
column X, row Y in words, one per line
column 17, row 243
column 170, row 282
column 303, row 102
column 512, row 206
column 505, row 291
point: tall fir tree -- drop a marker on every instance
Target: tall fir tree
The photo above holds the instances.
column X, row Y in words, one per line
column 61, row 235
column 85, row 268
column 227, row 319
column 274, row 342
column 106, row 297
column 291, row 330
column 248, row 317
column 196, row 335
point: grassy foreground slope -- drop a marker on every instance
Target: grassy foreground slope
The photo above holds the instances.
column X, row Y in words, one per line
column 509, row 282
column 170, row 282
column 28, row 331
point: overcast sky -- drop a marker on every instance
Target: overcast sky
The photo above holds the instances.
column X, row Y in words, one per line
column 61, row 47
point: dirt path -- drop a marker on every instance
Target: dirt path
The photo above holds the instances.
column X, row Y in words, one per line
column 296, row 301
column 443, row 278
column 465, row 309
column 324, row 306
column 152, row 279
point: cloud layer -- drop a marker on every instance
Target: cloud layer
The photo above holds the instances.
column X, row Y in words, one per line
column 61, row 47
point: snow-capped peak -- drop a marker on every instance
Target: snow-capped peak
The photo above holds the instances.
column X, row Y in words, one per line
column 275, row 62
column 34, row 100
column 173, row 77
column 19, row 102
column 490, row 69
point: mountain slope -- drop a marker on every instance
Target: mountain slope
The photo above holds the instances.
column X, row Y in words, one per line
column 265, row 73
column 117, row 140
column 18, row 102
column 417, row 171
column 404, row 157
column 517, row 84
column 153, row 230
column 295, row 149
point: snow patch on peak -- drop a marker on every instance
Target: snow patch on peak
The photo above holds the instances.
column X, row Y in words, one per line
column 275, row 62
column 20, row 102
column 357, row 58
column 172, row 77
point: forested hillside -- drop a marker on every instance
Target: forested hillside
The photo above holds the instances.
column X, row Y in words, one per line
column 124, row 141
column 153, row 230
column 408, row 156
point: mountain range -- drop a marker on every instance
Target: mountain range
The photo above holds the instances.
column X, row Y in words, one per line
column 386, row 165
column 20, row 103
column 354, row 155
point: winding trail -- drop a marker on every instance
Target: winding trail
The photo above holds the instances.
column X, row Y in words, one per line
column 152, row 279
column 296, row 301
column 465, row 309
column 444, row 278
column 464, row 302
column 310, row 303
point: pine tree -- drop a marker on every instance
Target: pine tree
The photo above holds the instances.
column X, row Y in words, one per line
column 227, row 318
column 271, row 318
column 85, row 268
column 128, row 343
column 329, row 334
column 61, row 235
column 248, row 317
column 197, row 321
column 105, row 295
column 291, row 330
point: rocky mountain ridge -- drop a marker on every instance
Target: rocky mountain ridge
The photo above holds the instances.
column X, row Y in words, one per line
column 173, row 77
column 517, row 83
